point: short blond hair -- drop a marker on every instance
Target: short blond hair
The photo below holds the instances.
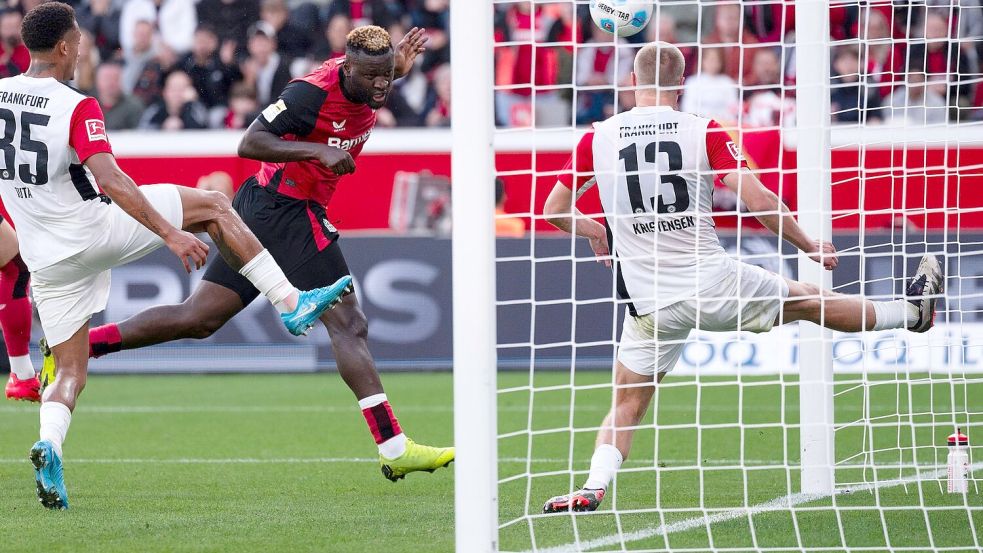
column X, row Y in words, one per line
column 659, row 64
column 369, row 39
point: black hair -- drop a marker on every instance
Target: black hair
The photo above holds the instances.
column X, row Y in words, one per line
column 46, row 25
column 499, row 190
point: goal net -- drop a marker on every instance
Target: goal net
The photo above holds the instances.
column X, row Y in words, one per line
column 864, row 117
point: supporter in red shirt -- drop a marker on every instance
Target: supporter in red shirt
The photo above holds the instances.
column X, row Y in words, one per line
column 14, row 57
column 729, row 30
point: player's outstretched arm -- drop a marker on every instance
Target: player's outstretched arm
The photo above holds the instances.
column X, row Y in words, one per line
column 561, row 212
column 260, row 144
column 768, row 208
column 124, row 192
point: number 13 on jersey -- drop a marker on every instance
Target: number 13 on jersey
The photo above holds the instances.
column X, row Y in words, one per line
column 654, row 153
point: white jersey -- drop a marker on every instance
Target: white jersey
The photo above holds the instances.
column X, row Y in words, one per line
column 49, row 128
column 655, row 168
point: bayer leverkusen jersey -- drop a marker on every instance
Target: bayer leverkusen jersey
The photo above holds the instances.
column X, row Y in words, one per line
column 314, row 109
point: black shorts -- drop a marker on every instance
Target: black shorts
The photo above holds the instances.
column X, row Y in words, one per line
column 297, row 235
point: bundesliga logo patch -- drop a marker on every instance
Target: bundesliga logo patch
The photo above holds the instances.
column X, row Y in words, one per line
column 272, row 110
column 96, row 130
column 734, row 152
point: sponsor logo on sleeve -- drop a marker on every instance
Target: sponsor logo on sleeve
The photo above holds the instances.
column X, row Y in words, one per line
column 272, row 110
column 96, row 130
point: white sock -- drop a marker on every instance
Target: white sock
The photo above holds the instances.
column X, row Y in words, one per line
column 894, row 314
column 393, row 447
column 22, row 367
column 269, row 279
column 605, row 462
column 55, row 418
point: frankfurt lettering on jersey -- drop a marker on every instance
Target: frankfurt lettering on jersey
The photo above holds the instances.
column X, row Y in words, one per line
column 630, row 131
column 664, row 225
column 23, row 99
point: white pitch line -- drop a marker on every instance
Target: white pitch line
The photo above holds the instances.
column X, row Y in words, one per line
column 307, row 460
column 778, row 504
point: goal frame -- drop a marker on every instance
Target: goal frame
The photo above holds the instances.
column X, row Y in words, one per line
column 473, row 263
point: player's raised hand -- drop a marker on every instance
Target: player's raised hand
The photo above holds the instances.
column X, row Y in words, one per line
column 339, row 161
column 188, row 248
column 825, row 253
column 412, row 45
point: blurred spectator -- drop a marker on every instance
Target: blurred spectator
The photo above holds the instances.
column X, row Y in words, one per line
column 771, row 22
column 364, row 12
column 121, row 111
column 601, row 61
column 101, row 18
column 88, row 60
column 230, row 18
column 945, row 64
column 264, row 69
column 439, row 112
column 14, row 57
column 766, row 102
column 219, row 181
column 526, row 65
column 506, row 226
column 292, row 40
column 851, row 101
column 711, row 93
column 729, row 31
column 211, row 71
column 882, row 56
column 178, row 107
column 916, row 103
column 174, row 19
column 243, row 108
column 335, row 37
column 433, row 16
column 144, row 65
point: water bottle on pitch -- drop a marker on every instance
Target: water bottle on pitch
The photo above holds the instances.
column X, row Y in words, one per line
column 958, row 463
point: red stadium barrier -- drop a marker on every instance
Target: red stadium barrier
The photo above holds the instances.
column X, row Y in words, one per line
column 925, row 178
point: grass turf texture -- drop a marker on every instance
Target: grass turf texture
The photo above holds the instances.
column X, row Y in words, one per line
column 306, row 479
column 768, row 444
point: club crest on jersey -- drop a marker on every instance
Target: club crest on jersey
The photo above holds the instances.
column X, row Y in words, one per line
column 734, row 151
column 339, row 126
column 96, row 129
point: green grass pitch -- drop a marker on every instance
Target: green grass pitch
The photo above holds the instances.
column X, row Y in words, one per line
column 285, row 462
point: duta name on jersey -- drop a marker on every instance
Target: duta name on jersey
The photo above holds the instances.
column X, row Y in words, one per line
column 664, row 225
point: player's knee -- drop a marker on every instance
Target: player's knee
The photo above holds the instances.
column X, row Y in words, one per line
column 219, row 204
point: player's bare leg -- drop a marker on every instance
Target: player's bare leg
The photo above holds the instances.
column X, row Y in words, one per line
column 15, row 318
column 212, row 212
column 633, row 395
column 398, row 455
column 57, row 405
column 848, row 313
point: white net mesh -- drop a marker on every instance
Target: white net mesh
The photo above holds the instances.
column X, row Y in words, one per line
column 715, row 462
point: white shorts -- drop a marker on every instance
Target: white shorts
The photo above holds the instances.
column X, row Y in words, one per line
column 70, row 291
column 749, row 300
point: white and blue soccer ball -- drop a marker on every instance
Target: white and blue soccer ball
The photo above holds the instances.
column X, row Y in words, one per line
column 621, row 17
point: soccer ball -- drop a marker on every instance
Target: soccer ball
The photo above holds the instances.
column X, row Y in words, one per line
column 621, row 17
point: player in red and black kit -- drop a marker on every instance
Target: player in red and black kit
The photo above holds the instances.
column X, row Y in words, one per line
column 307, row 141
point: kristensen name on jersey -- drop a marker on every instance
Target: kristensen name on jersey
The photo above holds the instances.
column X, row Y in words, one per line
column 664, row 225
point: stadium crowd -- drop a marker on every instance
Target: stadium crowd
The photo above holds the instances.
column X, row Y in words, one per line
column 194, row 64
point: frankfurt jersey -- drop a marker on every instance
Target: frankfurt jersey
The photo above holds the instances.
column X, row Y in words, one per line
column 655, row 168
column 314, row 109
column 49, row 130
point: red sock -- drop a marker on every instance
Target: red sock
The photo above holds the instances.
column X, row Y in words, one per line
column 104, row 339
column 15, row 307
column 382, row 422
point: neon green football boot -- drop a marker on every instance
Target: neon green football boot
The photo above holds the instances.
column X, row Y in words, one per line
column 416, row 457
column 48, row 369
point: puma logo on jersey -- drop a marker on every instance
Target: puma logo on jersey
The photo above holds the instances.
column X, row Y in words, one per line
column 329, row 226
column 339, row 126
column 96, row 130
column 734, row 151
